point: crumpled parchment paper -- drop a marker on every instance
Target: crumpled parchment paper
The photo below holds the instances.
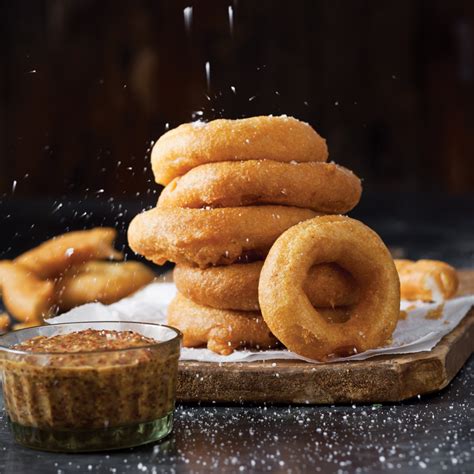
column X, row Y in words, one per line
column 424, row 326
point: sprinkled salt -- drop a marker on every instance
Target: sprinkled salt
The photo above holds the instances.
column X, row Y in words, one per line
column 69, row 252
column 230, row 12
column 188, row 18
column 207, row 68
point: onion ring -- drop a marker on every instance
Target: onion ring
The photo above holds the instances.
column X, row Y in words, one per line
column 322, row 187
column 427, row 280
column 256, row 138
column 235, row 286
column 289, row 313
column 106, row 282
column 25, row 296
column 207, row 237
column 222, row 330
column 56, row 255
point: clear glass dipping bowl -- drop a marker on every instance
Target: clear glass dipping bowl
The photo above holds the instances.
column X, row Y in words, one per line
column 90, row 401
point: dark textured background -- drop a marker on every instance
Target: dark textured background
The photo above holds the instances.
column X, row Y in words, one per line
column 86, row 85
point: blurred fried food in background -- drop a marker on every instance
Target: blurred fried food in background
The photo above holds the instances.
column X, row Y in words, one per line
column 64, row 272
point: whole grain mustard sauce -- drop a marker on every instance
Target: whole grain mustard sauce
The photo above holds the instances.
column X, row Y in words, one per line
column 89, row 379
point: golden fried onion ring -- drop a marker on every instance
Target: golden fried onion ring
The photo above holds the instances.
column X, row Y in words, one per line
column 56, row 255
column 288, row 311
column 207, row 237
column 25, row 296
column 236, row 286
column 427, row 280
column 106, row 282
column 257, row 138
column 222, row 330
column 322, row 187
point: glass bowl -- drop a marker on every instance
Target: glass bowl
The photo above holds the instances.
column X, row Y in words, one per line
column 90, row 401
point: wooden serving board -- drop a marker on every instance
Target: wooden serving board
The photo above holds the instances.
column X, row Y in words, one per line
column 380, row 379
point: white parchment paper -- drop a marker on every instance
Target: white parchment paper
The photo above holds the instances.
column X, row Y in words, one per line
column 416, row 333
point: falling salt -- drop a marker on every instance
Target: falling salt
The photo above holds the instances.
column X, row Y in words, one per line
column 230, row 12
column 251, row 98
column 56, row 209
column 33, row 71
column 14, row 185
column 232, row 88
column 188, row 18
column 207, row 67
column 167, row 126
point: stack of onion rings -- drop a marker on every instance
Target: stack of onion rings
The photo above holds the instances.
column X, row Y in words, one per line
column 232, row 188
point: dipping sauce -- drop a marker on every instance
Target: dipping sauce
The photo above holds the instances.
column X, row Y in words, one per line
column 90, row 389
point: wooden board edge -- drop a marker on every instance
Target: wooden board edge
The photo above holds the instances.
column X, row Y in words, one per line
column 401, row 377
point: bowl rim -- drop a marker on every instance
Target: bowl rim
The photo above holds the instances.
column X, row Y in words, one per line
column 178, row 336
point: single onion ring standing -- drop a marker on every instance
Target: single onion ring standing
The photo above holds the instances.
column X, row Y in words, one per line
column 287, row 310
column 256, row 138
column 322, row 187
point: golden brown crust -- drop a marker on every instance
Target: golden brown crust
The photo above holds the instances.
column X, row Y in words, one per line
column 322, row 187
column 56, row 255
column 222, row 330
column 426, row 280
column 257, row 138
column 25, row 296
column 207, row 237
column 290, row 315
column 106, row 282
column 235, row 286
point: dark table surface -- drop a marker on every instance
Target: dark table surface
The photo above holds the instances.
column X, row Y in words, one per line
column 430, row 434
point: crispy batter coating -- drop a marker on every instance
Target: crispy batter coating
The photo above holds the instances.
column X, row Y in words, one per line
column 56, row 255
column 289, row 313
column 257, row 138
column 236, row 286
column 427, row 280
column 106, row 282
column 25, row 296
column 222, row 331
column 207, row 237
column 322, row 187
